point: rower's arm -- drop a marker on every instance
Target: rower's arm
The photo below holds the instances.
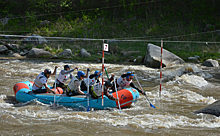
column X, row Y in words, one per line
column 132, row 85
column 92, row 76
column 63, row 72
column 111, row 97
column 48, row 89
column 77, row 84
column 55, row 69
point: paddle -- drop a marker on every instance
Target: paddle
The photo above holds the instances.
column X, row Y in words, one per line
column 144, row 93
column 115, row 89
column 88, row 91
column 106, row 73
column 117, row 95
column 55, row 87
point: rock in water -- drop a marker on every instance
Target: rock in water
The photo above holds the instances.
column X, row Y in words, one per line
column 153, row 57
column 84, row 53
column 37, row 53
column 213, row 109
column 210, row 63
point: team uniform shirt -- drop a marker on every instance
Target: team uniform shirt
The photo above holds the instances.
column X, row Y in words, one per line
column 97, row 89
column 39, row 81
column 74, row 84
column 122, row 82
column 91, row 81
column 64, row 76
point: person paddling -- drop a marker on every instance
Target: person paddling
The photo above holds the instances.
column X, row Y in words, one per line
column 96, row 90
column 63, row 76
column 73, row 87
column 126, row 80
column 93, row 78
column 41, row 81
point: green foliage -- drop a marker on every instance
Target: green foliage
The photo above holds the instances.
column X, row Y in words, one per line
column 41, row 46
column 53, row 50
column 148, row 19
column 56, row 51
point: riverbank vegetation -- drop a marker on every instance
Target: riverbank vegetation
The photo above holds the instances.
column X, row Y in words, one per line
column 187, row 27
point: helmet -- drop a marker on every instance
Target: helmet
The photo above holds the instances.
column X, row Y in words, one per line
column 130, row 74
column 47, row 71
column 80, row 73
column 66, row 66
column 108, row 83
column 97, row 72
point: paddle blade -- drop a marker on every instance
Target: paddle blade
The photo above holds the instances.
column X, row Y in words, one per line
column 88, row 108
column 152, row 105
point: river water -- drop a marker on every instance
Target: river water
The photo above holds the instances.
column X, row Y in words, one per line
column 182, row 93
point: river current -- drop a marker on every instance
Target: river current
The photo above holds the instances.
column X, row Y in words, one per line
column 183, row 92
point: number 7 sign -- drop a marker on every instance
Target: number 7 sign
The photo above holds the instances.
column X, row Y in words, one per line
column 105, row 47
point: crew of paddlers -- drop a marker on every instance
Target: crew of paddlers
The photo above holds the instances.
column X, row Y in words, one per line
column 79, row 83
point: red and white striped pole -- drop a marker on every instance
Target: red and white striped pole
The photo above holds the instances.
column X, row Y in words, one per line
column 161, row 66
column 103, row 72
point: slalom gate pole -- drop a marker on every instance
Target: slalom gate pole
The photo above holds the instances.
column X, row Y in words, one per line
column 161, row 67
column 103, row 74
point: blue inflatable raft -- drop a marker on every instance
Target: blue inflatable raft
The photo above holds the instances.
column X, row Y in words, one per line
column 23, row 93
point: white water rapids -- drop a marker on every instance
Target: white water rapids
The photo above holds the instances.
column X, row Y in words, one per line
column 182, row 94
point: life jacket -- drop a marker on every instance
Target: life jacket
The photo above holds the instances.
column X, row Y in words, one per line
column 122, row 82
column 71, row 86
column 63, row 78
column 37, row 83
column 91, row 81
column 96, row 90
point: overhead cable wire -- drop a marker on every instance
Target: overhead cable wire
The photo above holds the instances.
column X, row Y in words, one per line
column 191, row 34
column 109, row 39
column 175, row 36
column 124, row 38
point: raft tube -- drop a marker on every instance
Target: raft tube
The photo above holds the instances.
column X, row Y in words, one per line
column 23, row 93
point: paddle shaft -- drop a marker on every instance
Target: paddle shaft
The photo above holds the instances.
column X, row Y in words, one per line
column 55, row 87
column 145, row 93
column 88, row 91
column 106, row 73
column 117, row 95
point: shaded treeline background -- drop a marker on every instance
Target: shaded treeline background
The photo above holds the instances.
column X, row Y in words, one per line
column 172, row 20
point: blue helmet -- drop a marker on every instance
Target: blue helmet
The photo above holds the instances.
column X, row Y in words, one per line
column 97, row 72
column 80, row 73
column 130, row 74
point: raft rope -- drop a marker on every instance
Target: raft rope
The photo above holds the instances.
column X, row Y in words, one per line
column 80, row 101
